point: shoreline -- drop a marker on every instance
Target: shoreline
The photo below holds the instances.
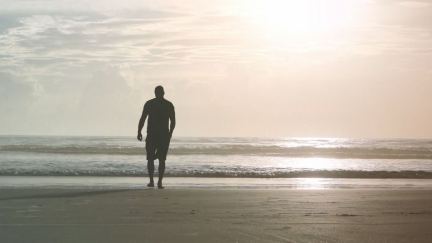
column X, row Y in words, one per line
column 89, row 182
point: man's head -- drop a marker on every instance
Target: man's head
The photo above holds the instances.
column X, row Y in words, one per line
column 159, row 92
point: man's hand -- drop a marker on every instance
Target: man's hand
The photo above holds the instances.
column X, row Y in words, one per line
column 139, row 137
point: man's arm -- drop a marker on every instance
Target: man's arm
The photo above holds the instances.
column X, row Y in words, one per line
column 141, row 123
column 172, row 121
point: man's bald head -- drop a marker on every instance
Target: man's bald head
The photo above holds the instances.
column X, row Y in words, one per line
column 159, row 91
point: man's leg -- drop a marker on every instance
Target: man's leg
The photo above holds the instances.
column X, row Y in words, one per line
column 150, row 151
column 150, row 168
column 161, row 172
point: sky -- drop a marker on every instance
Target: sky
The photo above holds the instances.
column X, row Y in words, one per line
column 278, row 68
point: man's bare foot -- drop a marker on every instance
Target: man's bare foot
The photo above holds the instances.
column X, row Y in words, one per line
column 151, row 184
column 160, row 186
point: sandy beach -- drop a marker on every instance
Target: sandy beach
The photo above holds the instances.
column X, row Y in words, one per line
column 215, row 215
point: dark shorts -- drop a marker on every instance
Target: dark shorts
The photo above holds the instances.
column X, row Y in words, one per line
column 157, row 146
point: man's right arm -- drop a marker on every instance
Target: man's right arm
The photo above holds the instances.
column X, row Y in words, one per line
column 141, row 122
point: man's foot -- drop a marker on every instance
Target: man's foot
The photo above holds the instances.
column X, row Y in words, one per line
column 160, row 186
column 151, row 184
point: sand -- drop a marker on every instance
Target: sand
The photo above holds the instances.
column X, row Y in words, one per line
column 215, row 215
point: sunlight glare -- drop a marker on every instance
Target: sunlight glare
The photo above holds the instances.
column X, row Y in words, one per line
column 283, row 19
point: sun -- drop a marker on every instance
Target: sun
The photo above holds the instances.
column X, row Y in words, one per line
column 300, row 19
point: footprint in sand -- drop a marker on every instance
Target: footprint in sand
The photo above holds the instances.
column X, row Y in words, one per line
column 347, row 215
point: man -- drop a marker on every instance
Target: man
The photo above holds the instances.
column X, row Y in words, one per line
column 160, row 111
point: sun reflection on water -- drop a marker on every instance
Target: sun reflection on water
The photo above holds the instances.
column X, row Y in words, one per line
column 312, row 183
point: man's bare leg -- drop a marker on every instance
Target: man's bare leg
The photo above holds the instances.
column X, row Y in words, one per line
column 150, row 168
column 161, row 173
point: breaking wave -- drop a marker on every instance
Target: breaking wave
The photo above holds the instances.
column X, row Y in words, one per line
column 228, row 174
column 235, row 149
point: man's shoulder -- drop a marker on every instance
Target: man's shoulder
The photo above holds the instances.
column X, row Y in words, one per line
column 148, row 102
column 168, row 102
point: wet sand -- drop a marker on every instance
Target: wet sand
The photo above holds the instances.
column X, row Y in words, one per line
column 215, row 215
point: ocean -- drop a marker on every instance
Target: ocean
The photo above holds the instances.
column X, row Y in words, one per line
column 218, row 157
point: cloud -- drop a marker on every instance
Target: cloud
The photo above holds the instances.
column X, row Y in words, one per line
column 151, row 36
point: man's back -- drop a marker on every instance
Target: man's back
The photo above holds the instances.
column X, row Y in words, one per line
column 159, row 111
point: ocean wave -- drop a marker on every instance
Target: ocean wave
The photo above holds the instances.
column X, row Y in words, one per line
column 236, row 149
column 229, row 174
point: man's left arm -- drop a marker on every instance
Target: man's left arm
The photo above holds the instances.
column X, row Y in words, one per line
column 172, row 121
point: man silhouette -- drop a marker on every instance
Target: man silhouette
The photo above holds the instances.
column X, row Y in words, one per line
column 160, row 111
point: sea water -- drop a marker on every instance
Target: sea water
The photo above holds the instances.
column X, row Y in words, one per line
column 218, row 157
